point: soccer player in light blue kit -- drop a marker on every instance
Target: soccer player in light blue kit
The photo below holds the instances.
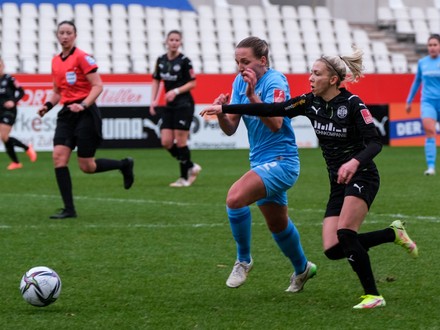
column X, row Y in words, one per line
column 274, row 164
column 428, row 74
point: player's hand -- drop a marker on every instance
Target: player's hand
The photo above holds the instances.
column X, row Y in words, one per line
column 222, row 99
column 76, row 107
column 42, row 110
column 250, row 77
column 408, row 108
column 9, row 104
column 347, row 170
column 152, row 111
column 211, row 110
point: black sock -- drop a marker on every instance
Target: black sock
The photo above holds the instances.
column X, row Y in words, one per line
column 18, row 143
column 9, row 146
column 64, row 181
column 375, row 238
column 358, row 259
column 185, row 161
column 367, row 240
column 104, row 165
column 173, row 151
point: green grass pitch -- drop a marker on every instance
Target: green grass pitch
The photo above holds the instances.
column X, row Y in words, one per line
column 156, row 257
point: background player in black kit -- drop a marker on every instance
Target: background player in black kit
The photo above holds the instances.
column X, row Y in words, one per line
column 176, row 70
column 349, row 141
column 10, row 93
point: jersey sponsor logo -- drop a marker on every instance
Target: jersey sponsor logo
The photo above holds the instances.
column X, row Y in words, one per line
column 71, row 77
column 279, row 96
column 90, row 60
column 342, row 112
column 329, row 130
column 368, row 118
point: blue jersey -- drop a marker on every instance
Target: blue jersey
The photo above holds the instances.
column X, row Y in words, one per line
column 428, row 73
column 265, row 145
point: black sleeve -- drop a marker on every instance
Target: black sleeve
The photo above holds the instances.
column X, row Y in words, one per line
column 291, row 108
column 18, row 95
column 368, row 130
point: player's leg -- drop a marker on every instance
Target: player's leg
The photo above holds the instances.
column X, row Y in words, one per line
column 87, row 143
column 429, row 121
column 245, row 191
column 5, row 129
column 61, row 155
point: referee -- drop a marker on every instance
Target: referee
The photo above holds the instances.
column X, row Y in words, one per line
column 77, row 85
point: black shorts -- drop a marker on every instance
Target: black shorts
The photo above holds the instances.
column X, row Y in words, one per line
column 177, row 117
column 8, row 116
column 82, row 130
column 364, row 184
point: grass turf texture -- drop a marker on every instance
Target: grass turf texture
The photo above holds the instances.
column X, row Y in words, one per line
column 156, row 257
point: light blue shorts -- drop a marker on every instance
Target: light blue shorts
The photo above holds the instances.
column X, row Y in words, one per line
column 430, row 109
column 278, row 177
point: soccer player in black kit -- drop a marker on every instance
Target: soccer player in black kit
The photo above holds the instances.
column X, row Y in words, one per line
column 176, row 70
column 349, row 141
column 10, row 93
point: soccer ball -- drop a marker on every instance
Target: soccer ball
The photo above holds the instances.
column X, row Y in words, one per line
column 40, row 286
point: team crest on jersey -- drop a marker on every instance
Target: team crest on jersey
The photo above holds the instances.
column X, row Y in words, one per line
column 279, row 95
column 342, row 112
column 90, row 60
column 176, row 67
column 71, row 77
column 366, row 114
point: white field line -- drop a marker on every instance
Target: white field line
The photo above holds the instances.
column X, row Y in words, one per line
column 294, row 213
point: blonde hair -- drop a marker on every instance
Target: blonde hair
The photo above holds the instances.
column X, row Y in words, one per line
column 339, row 64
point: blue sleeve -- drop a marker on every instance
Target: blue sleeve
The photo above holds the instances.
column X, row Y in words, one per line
column 416, row 84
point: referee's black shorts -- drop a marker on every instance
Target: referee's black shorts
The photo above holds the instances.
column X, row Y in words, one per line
column 79, row 129
column 177, row 117
column 364, row 184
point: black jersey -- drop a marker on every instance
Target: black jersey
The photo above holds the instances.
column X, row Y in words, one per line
column 9, row 90
column 344, row 125
column 175, row 73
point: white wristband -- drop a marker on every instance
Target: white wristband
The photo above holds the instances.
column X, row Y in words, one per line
column 176, row 91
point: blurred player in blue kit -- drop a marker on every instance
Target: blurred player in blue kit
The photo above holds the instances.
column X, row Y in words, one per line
column 428, row 75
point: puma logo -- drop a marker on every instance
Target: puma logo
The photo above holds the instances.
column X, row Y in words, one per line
column 359, row 187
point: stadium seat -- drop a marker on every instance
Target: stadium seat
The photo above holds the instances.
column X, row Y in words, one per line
column 289, row 12
column 305, row 12
column 47, row 11
column 12, row 64
column 380, row 50
column 135, row 11
column 322, row 13
column 101, row 11
column 206, row 11
column 10, row 10
column 29, row 11
column 400, row 63
column 29, row 64
column 65, row 12
column 82, row 12
column 121, row 64
column 140, row 64
column 404, row 29
column 44, row 65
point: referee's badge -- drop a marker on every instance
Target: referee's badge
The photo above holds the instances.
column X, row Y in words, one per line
column 342, row 112
column 71, row 77
column 90, row 60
